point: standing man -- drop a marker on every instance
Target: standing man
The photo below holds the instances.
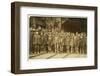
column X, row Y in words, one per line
column 67, row 43
column 36, row 42
column 56, row 42
column 72, row 42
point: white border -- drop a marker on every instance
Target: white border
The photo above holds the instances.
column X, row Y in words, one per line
column 54, row 63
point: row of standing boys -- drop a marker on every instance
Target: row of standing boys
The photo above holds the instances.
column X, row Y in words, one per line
column 58, row 42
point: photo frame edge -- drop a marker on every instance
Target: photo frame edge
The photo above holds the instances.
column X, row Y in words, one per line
column 15, row 40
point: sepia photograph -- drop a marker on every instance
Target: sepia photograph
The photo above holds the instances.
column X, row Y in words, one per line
column 57, row 37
